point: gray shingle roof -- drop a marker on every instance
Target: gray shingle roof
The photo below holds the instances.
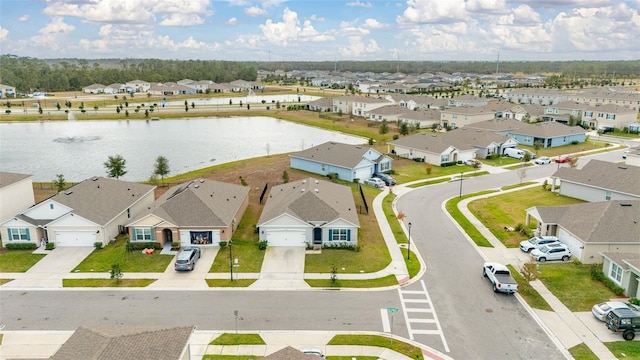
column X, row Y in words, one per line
column 200, row 202
column 311, row 200
column 7, row 178
column 501, row 124
column 462, row 139
column 117, row 344
column 334, row 153
column 290, row 353
column 548, row 129
column 605, row 175
column 616, row 221
column 101, row 199
column 624, row 259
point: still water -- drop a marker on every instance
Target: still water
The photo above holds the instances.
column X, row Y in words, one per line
column 78, row 149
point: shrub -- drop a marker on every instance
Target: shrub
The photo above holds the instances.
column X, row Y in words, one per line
column 21, row 246
column 342, row 246
column 597, row 274
column 97, row 245
column 575, row 142
column 356, row 180
column 50, row 246
column 175, row 244
column 262, row 245
column 222, row 244
column 135, row 246
column 634, row 301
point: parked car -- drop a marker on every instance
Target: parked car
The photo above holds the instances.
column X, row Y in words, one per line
column 536, row 242
column 500, row 278
column 532, row 155
column 375, row 182
column 600, row 311
column 543, row 160
column 563, row 159
column 551, row 252
column 625, row 321
column 388, row 180
column 187, row 259
column 625, row 153
column 313, row 351
column 514, row 153
column 473, row 162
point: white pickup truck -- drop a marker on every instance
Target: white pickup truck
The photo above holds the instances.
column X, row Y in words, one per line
column 500, row 277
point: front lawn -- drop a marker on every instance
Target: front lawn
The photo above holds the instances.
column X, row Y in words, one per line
column 389, row 280
column 624, row 349
column 465, row 224
column 229, row 283
column 129, row 261
column 573, row 285
column 582, row 352
column 238, row 339
column 245, row 246
column 4, row 281
column 401, row 347
column 508, row 210
column 18, row 260
column 530, row 295
column 107, row 282
column 408, row 170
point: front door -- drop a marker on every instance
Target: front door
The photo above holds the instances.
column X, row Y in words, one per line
column 168, row 236
column 317, row 235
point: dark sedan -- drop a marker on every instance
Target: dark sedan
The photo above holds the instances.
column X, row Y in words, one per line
column 388, row 180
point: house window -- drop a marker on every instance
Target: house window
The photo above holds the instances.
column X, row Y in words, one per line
column 607, row 195
column 588, row 113
column 611, row 116
column 384, row 166
column 339, row 234
column 143, row 234
column 444, row 158
column 615, row 273
column 51, row 206
column 19, row 234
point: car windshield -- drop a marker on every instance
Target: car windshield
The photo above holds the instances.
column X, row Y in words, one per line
column 604, row 306
column 534, row 241
column 543, row 248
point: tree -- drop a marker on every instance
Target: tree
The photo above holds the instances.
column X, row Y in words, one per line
column 161, row 167
column 384, row 127
column 115, row 166
column 404, row 128
column 58, row 105
column 285, row 177
column 537, row 145
column 59, row 182
column 96, row 109
column 193, row 105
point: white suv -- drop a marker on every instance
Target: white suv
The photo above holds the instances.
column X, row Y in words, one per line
column 536, row 242
column 551, row 252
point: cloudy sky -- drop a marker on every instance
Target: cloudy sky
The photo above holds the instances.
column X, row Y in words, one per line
column 322, row 30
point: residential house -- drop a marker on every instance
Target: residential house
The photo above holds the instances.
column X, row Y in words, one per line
column 16, row 194
column 94, row 89
column 115, row 88
column 604, row 96
column 349, row 162
column 320, row 105
column 94, row 210
column 599, row 181
column 357, row 105
column 122, row 342
column 589, row 229
column 137, row 86
column 465, row 115
column 535, row 112
column 309, row 212
column 201, row 212
column 449, row 147
column 7, row 91
column 548, row 134
column 422, row 118
column 535, row 96
column 610, row 116
column 634, row 127
column 467, row 100
column 624, row 270
column 387, row 112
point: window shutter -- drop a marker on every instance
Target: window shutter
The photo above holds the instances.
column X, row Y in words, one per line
column 348, row 234
column 135, row 234
column 330, row 235
column 10, row 236
column 28, row 237
column 153, row 234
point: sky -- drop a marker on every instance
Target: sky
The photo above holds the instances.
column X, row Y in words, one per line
column 322, row 30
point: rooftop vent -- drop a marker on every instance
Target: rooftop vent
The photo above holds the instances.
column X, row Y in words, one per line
column 625, row 204
column 622, row 167
column 301, row 190
column 317, row 181
column 201, row 181
column 196, row 186
column 316, row 190
column 94, row 178
column 68, row 192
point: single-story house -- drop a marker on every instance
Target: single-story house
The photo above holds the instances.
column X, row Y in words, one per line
column 465, row 115
column 110, row 342
column 549, row 134
column 201, row 212
column 7, row 91
column 589, row 229
column 137, row 86
column 16, row 194
column 389, row 113
column 320, row 105
column 94, row 89
column 94, row 210
column 309, row 212
column 599, row 181
column 422, row 118
column 350, row 162
column 624, row 270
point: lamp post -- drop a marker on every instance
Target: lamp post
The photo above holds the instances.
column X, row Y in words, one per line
column 461, row 177
column 409, row 246
column 230, row 260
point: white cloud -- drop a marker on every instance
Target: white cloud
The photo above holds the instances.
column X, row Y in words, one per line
column 232, row 21
column 182, row 7
column 130, row 11
column 24, row 17
column 374, row 24
column 255, row 11
column 56, row 26
column 317, row 18
column 53, row 34
column 357, row 3
column 358, row 48
column 3, row 33
column 182, row 20
column 427, row 11
column 486, row 6
column 289, row 30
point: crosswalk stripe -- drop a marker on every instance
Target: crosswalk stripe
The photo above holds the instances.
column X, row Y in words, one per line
column 385, row 321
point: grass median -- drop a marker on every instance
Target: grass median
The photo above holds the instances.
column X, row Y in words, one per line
column 465, row 224
column 94, row 283
column 398, row 346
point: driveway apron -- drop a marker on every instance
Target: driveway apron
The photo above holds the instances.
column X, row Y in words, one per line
column 188, row 279
column 283, row 267
column 50, row 271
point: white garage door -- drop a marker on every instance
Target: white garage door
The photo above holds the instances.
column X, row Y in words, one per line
column 285, row 237
column 75, row 238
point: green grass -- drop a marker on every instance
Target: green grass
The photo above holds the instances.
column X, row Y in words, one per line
column 229, row 283
column 392, row 219
column 518, row 166
column 1, row 336
column 376, row 340
column 513, row 186
column 530, row 295
column 496, row 212
column 238, row 339
column 501, row 161
column 582, row 352
column 18, row 260
column 472, row 231
column 116, row 253
column 572, row 284
column 474, row 174
column 4, row 281
column 625, row 349
column 408, row 170
column 106, row 282
column 429, row 182
column 413, row 264
column 389, row 280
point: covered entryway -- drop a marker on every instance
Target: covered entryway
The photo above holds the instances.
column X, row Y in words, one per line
column 285, row 237
column 75, row 238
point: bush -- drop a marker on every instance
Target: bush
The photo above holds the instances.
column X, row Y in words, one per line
column 356, row 180
column 222, row 244
column 135, row 246
column 597, row 274
column 175, row 244
column 450, row 163
column 262, row 245
column 575, row 142
column 634, row 301
column 50, row 246
column 97, row 245
column 21, row 246
column 342, row 246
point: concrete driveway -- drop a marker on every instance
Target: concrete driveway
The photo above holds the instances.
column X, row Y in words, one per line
column 283, row 267
column 49, row 271
column 188, row 279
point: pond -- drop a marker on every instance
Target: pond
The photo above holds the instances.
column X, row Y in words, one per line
column 78, row 149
